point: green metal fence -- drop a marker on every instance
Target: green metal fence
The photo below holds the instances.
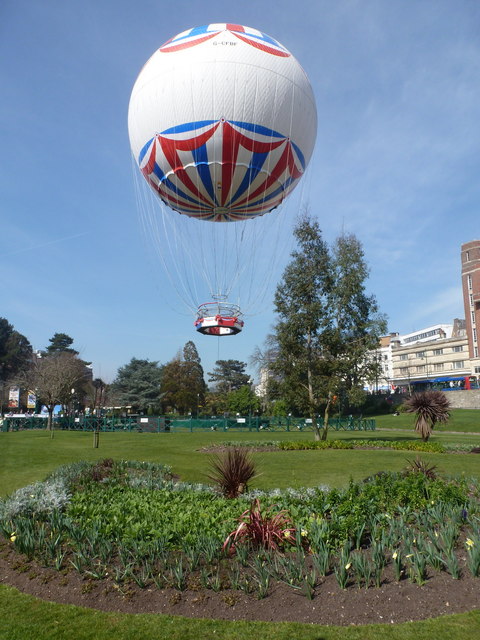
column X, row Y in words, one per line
column 156, row 424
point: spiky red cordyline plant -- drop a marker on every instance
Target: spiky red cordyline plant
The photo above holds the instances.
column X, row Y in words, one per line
column 266, row 529
column 232, row 471
column 430, row 407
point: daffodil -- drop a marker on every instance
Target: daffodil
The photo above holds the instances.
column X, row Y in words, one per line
column 395, row 555
column 13, row 537
column 348, row 565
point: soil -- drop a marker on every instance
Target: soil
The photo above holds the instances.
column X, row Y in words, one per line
column 393, row 602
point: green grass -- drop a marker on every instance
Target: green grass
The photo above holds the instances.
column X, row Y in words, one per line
column 29, row 456
column 461, row 420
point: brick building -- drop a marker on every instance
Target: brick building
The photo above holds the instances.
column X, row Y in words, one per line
column 470, row 253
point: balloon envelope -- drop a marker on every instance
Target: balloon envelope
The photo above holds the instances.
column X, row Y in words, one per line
column 222, row 122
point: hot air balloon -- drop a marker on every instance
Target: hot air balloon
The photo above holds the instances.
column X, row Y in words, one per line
column 222, row 123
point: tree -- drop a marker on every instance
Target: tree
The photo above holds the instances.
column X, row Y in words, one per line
column 303, row 304
column 243, row 401
column 228, row 375
column 193, row 375
column 53, row 377
column 137, row 385
column 15, row 351
column 357, row 322
column 430, row 407
column 326, row 323
column 183, row 385
column 96, row 395
column 61, row 343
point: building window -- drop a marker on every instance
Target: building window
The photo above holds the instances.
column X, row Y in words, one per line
column 404, row 371
column 477, row 369
column 467, row 256
column 476, row 352
column 474, row 335
column 458, row 348
column 438, row 366
column 421, row 368
column 473, row 316
column 470, row 295
column 469, row 280
column 460, row 364
column 420, row 354
column 404, row 356
column 437, row 352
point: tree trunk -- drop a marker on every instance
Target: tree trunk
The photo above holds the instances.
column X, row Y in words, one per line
column 311, row 402
column 326, row 416
column 50, row 420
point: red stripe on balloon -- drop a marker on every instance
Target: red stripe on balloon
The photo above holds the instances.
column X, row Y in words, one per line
column 263, row 47
column 187, row 45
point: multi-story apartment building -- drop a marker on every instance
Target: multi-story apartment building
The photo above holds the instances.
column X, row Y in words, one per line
column 437, row 354
column 470, row 255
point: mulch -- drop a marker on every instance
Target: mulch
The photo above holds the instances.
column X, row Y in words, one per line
column 393, row 602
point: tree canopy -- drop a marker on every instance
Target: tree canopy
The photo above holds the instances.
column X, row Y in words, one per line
column 326, row 323
column 137, row 385
column 55, row 378
column 183, row 385
column 15, row 351
column 228, row 375
column 61, row 343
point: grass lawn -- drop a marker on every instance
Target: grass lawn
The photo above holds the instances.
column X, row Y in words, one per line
column 461, row 420
column 30, row 455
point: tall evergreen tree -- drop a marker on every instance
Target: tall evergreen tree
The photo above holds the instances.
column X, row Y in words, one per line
column 138, row 385
column 228, row 375
column 326, row 323
column 61, row 343
column 183, row 384
column 15, row 351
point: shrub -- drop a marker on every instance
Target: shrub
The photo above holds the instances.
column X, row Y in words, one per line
column 266, row 529
column 232, row 471
column 430, row 407
column 421, row 466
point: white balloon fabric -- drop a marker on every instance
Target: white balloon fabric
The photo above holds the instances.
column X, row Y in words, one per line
column 222, row 122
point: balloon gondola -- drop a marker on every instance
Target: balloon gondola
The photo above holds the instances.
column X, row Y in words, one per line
column 222, row 124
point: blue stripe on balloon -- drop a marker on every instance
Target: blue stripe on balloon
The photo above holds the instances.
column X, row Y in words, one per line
column 300, row 155
column 166, row 182
column 265, row 38
column 200, row 158
column 257, row 128
column 256, row 163
column 143, row 151
column 188, row 126
column 273, row 194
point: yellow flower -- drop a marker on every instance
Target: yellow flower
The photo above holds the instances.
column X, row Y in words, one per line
column 286, row 533
column 13, row 537
column 304, row 533
column 395, row 555
column 469, row 543
column 410, row 555
column 347, row 566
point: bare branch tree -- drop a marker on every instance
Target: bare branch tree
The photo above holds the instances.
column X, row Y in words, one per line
column 53, row 377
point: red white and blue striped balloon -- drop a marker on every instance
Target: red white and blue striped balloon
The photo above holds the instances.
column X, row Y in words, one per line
column 222, row 122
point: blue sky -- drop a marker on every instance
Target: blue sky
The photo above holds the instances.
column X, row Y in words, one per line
column 397, row 162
